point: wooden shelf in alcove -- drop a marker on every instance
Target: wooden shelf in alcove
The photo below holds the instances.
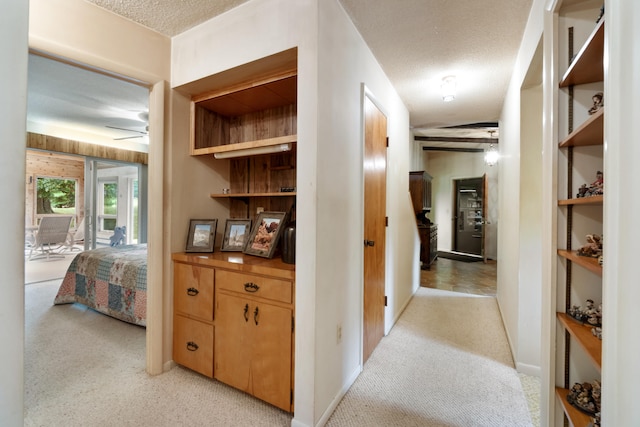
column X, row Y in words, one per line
column 246, row 195
column 588, row 133
column 582, row 334
column 589, row 263
column 587, row 66
column 592, row 200
column 246, row 145
column 577, row 418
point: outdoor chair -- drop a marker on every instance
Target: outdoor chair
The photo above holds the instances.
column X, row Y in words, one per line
column 76, row 237
column 50, row 237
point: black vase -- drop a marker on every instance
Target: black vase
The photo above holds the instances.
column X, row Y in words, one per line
column 289, row 243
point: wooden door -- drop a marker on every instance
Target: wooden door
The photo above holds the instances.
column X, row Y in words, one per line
column 375, row 186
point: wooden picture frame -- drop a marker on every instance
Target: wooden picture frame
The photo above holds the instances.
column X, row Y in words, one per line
column 202, row 235
column 236, row 233
column 265, row 234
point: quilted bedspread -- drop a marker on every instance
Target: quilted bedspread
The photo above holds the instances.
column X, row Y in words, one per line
column 109, row 280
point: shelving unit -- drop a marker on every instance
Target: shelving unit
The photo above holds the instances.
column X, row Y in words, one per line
column 585, row 68
column 239, row 122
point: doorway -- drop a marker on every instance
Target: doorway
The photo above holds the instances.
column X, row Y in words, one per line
column 469, row 218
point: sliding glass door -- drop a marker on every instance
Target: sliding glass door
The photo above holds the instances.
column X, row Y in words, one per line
column 115, row 203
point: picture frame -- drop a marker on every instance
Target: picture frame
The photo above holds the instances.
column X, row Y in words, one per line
column 236, row 233
column 265, row 234
column 202, row 235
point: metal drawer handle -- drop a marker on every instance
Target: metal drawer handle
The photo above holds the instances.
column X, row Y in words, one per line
column 255, row 316
column 251, row 287
column 246, row 312
column 192, row 292
column 191, row 346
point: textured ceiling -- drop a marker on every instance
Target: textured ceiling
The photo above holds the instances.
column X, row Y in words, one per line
column 417, row 43
column 169, row 17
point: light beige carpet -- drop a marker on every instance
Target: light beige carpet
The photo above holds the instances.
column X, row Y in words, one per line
column 445, row 363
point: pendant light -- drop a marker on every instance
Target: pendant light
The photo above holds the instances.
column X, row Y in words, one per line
column 491, row 155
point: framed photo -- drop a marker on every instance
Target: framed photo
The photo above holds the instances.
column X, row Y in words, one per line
column 264, row 236
column 236, row 232
column 202, row 235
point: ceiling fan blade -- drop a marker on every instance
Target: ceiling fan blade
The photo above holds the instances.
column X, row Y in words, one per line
column 128, row 130
column 127, row 137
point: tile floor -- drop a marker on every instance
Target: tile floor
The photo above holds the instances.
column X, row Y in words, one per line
column 475, row 278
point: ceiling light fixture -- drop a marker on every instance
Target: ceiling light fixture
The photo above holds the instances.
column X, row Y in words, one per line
column 492, row 155
column 448, row 87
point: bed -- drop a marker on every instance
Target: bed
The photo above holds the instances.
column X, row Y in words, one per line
column 111, row 280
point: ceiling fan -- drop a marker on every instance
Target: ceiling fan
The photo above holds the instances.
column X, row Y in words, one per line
column 142, row 133
column 144, row 117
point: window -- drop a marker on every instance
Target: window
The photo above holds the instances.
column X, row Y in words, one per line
column 56, row 196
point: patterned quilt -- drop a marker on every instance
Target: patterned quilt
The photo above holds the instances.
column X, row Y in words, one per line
column 109, row 280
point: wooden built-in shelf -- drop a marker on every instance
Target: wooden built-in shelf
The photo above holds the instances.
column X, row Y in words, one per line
column 582, row 333
column 576, row 417
column 588, row 133
column 246, row 195
column 591, row 200
column 228, row 148
column 587, row 66
column 589, row 263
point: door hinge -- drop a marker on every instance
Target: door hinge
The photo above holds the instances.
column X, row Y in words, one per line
column 385, row 300
column 293, row 322
column 291, row 397
column 386, row 221
column 387, row 142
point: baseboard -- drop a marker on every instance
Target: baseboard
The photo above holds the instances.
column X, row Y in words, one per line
column 530, row 370
column 336, row 400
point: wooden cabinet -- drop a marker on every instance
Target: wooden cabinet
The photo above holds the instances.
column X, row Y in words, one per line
column 580, row 155
column 420, row 190
column 428, row 245
column 234, row 321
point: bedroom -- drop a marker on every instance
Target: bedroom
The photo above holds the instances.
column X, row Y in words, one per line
column 96, row 176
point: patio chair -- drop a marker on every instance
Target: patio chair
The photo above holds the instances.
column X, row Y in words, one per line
column 50, row 237
column 76, row 237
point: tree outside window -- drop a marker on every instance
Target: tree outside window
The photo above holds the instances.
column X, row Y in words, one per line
column 56, row 196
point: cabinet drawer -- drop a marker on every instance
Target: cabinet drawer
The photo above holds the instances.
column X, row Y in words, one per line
column 193, row 290
column 248, row 284
column 193, row 344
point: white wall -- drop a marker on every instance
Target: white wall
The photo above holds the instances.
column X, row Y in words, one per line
column 516, row 309
column 530, row 237
column 333, row 62
column 445, row 167
column 13, row 107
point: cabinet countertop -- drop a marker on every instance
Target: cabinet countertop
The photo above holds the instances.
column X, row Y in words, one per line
column 239, row 261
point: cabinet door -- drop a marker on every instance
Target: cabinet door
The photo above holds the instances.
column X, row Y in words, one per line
column 193, row 290
column 253, row 346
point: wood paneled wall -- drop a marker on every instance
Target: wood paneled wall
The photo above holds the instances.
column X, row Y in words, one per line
column 51, row 143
